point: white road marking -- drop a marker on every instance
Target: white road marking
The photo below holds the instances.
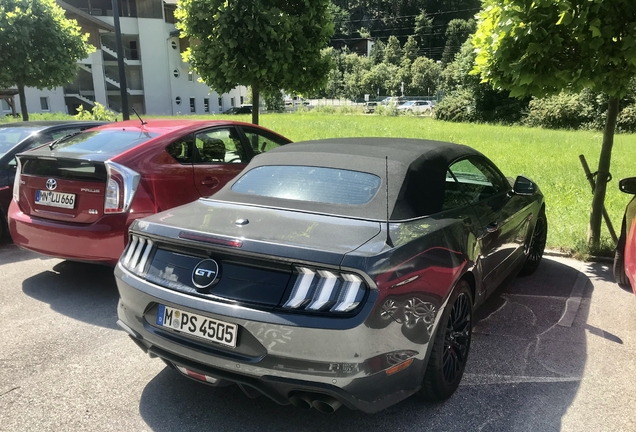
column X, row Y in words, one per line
column 489, row 379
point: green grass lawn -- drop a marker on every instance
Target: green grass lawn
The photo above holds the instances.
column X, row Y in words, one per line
column 551, row 158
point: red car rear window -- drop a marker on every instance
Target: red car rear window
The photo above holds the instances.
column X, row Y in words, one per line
column 107, row 141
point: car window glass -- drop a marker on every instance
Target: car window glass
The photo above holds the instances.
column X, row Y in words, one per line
column 476, row 180
column 11, row 135
column 261, row 143
column 39, row 140
column 63, row 132
column 306, row 183
column 220, row 146
column 453, row 196
column 104, row 141
column 181, row 151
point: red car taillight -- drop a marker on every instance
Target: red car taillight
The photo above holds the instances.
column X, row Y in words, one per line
column 121, row 185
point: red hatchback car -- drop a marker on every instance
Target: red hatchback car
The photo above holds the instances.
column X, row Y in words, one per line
column 625, row 257
column 76, row 198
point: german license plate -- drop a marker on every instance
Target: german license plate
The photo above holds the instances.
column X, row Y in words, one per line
column 212, row 330
column 55, row 199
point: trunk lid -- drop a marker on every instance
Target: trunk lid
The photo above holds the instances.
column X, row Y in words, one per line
column 70, row 190
column 294, row 235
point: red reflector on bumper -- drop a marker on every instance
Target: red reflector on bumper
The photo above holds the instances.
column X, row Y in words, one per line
column 196, row 375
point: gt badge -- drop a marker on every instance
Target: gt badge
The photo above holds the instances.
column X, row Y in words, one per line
column 205, row 274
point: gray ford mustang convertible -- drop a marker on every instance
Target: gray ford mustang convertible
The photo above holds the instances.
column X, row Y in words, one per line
column 329, row 273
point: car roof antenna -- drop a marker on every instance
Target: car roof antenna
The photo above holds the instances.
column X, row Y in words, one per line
column 389, row 242
column 142, row 122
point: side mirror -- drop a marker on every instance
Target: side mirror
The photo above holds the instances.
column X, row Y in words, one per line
column 628, row 185
column 524, row 186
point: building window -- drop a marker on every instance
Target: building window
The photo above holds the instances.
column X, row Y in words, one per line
column 241, row 100
column 232, row 102
column 206, row 105
column 220, row 104
column 174, row 45
column 190, row 76
column 177, row 100
column 44, row 103
column 192, row 106
column 176, row 73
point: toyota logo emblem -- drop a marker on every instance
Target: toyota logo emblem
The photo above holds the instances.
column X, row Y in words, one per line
column 51, row 184
column 205, row 274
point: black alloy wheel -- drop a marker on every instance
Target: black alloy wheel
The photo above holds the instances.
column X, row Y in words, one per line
column 451, row 346
column 457, row 338
column 536, row 246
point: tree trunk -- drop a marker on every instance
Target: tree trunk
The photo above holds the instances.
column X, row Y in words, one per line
column 23, row 105
column 596, row 216
column 255, row 102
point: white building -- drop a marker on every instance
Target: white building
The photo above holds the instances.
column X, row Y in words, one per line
column 158, row 81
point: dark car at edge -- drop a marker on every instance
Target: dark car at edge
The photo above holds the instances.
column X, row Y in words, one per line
column 16, row 137
column 334, row 272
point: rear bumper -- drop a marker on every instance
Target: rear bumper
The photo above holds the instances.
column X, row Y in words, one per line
column 281, row 361
column 100, row 242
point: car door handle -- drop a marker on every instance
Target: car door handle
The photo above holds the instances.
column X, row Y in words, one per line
column 492, row 227
column 209, row 181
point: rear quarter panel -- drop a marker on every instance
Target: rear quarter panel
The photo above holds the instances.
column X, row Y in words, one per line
column 630, row 242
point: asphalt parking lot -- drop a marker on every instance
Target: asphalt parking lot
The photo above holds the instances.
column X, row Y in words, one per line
column 553, row 351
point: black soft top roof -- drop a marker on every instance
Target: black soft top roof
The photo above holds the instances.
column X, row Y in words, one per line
column 416, row 168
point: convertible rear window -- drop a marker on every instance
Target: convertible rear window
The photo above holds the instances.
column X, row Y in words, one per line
column 108, row 141
column 306, row 183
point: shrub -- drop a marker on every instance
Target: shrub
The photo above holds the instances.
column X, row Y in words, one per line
column 386, row 110
column 626, row 121
column 562, row 111
column 349, row 109
column 324, row 109
column 457, row 107
column 98, row 113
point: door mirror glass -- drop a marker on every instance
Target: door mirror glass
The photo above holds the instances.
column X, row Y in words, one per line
column 628, row 185
column 524, row 186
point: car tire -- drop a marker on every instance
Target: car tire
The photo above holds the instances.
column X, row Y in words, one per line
column 536, row 245
column 4, row 227
column 619, row 270
column 451, row 346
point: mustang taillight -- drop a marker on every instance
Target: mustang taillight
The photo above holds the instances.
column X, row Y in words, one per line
column 16, row 182
column 121, row 185
column 325, row 291
column 136, row 255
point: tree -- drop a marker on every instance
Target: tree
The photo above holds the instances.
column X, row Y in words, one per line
column 410, row 49
column 457, row 33
column 425, row 73
column 377, row 52
column 393, row 51
column 383, row 77
column 539, row 48
column 39, row 46
column 268, row 44
column 424, row 31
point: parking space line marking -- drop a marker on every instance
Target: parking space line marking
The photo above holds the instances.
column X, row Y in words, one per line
column 489, row 379
column 574, row 301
